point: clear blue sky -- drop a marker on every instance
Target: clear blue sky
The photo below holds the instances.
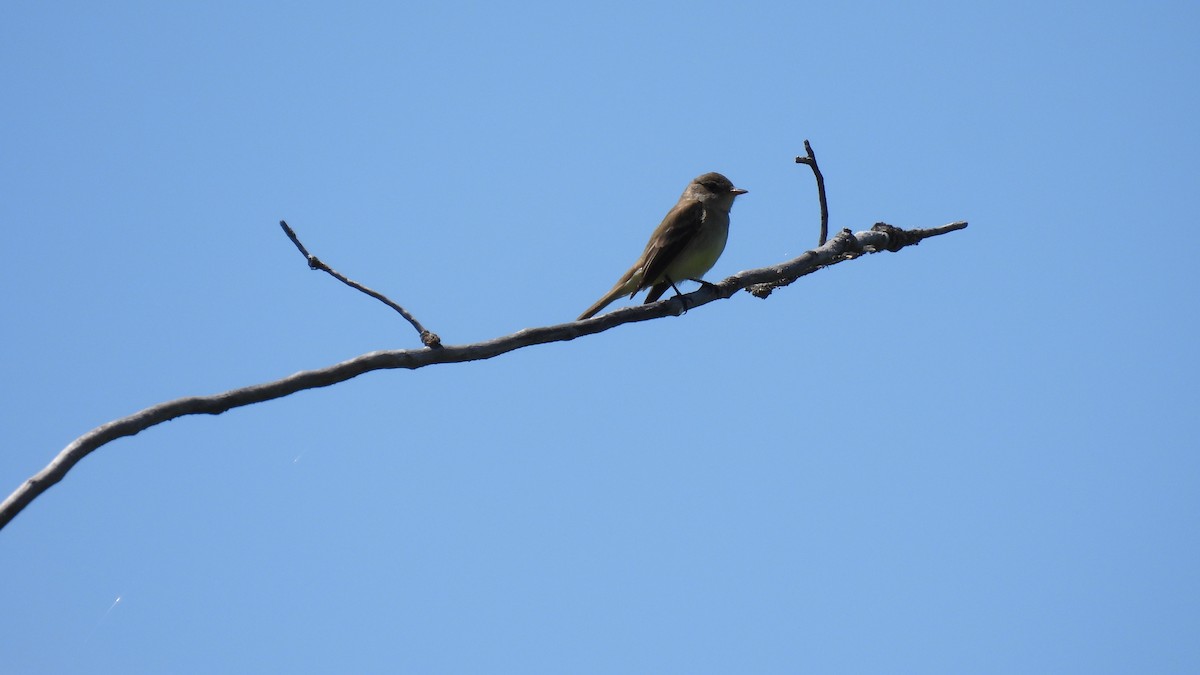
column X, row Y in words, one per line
column 979, row 455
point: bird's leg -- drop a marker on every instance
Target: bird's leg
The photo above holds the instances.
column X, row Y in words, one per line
column 703, row 284
column 678, row 293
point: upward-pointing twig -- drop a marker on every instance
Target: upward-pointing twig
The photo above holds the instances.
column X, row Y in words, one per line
column 811, row 161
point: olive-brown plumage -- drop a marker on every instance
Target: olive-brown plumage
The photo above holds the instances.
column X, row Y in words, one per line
column 684, row 246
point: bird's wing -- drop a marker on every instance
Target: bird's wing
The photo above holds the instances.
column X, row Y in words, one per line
column 677, row 229
column 656, row 292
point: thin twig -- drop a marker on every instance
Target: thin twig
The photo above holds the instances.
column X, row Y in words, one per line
column 811, row 161
column 880, row 238
column 428, row 338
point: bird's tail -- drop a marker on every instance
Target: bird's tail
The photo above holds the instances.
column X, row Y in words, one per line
column 626, row 286
column 608, row 298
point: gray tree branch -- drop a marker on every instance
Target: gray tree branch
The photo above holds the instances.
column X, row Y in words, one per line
column 844, row 246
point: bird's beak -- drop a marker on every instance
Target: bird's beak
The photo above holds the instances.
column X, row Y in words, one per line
column 738, row 191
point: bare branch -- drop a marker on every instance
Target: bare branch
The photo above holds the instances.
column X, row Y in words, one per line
column 429, row 339
column 811, row 161
column 848, row 246
column 845, row 246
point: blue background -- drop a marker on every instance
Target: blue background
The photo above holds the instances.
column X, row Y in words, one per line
column 977, row 455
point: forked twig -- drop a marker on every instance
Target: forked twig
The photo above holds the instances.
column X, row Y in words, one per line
column 811, row 161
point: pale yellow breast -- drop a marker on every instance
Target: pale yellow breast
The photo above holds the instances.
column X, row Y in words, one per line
column 702, row 252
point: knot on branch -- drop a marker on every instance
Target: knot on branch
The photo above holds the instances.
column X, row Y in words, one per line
column 760, row 291
column 430, row 339
column 846, row 243
column 897, row 238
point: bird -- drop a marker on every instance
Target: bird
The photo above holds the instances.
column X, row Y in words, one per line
column 684, row 246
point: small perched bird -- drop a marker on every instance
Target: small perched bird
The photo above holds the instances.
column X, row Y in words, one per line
column 684, row 246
